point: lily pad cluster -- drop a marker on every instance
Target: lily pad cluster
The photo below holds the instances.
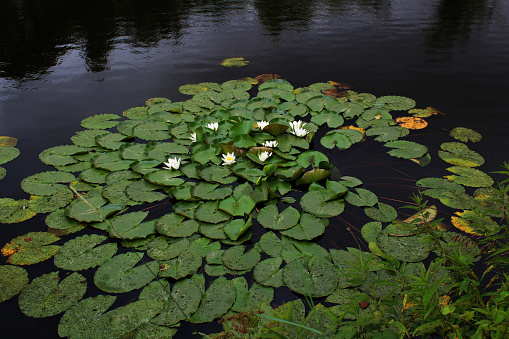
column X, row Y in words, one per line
column 244, row 188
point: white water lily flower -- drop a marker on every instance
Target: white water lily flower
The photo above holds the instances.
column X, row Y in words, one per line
column 264, row 155
column 272, row 143
column 262, row 124
column 296, row 125
column 193, row 137
column 228, row 158
column 300, row 132
column 213, row 126
column 173, row 163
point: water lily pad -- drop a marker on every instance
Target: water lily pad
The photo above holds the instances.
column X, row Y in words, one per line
column 437, row 186
column 113, row 141
column 404, row 245
column 162, row 249
column 87, row 211
column 308, row 228
column 271, row 244
column 268, row 272
column 217, row 300
column 124, row 319
column 173, row 225
column 234, row 62
column 384, row 133
column 465, row 134
column 30, row 248
column 234, row 229
column 382, row 212
column 269, row 217
column 82, row 253
column 313, row 276
column 406, row 149
column 13, row 211
column 332, row 119
column 85, row 320
column 467, row 176
column 185, row 300
column 111, row 161
column 317, row 203
column 87, row 137
column 144, row 191
column 46, row 183
column 219, row 174
column 187, row 263
column 371, row 230
column 362, row 197
column 118, row 275
column 311, row 158
column 235, row 259
column 61, row 155
column 457, row 153
column 100, row 121
column 94, row 175
column 396, row 103
column 208, row 212
column 8, row 153
column 50, row 203
column 12, row 280
column 45, row 296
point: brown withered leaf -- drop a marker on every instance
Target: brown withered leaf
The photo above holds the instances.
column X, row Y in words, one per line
column 264, row 77
column 412, row 122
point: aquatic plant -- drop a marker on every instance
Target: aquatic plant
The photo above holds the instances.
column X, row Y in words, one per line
column 228, row 161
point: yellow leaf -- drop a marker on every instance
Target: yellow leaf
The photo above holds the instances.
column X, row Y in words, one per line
column 8, row 141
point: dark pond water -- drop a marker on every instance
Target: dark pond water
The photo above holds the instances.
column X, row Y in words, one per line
column 62, row 60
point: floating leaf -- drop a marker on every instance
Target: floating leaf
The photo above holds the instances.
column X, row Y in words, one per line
column 61, row 155
column 459, row 154
column 144, row 191
column 384, row 133
column 313, row 276
column 396, row 103
column 383, row 212
column 85, row 320
column 50, row 203
column 187, row 263
column 404, row 245
column 465, row 134
column 412, row 122
column 45, row 296
column 268, row 272
column 118, row 275
column 30, row 248
column 8, row 141
column 13, row 211
column 217, row 300
column 46, row 183
column 475, row 223
column 8, row 153
column 308, row 228
column 234, row 258
column 87, row 137
column 185, row 300
column 208, row 212
column 363, row 198
column 234, row 62
column 371, row 230
column 269, row 217
column 124, row 319
column 12, row 280
column 173, row 225
column 82, row 253
column 100, row 121
column 318, row 203
column 467, row 176
column 406, row 149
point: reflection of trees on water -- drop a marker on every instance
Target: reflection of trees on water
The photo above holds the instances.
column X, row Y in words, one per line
column 280, row 15
column 454, row 22
column 35, row 34
column 297, row 15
